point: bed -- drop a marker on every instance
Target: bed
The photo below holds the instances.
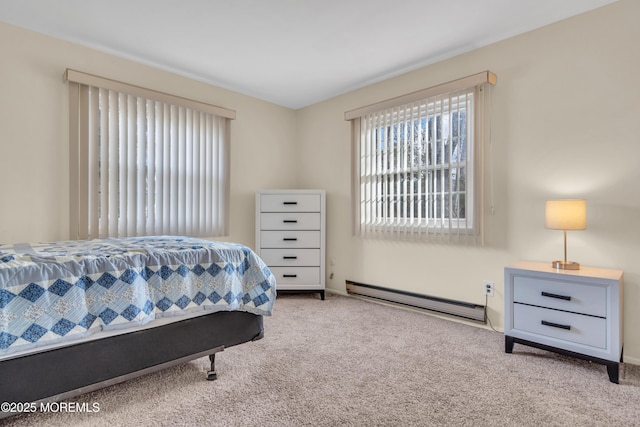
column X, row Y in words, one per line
column 76, row 316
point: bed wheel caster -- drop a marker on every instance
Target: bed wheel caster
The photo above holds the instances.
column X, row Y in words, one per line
column 212, row 375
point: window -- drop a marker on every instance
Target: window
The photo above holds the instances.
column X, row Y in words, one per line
column 144, row 162
column 417, row 164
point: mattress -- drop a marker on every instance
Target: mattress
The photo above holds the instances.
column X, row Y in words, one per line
column 63, row 292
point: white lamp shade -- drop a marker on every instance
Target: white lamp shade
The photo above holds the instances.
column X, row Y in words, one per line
column 566, row 214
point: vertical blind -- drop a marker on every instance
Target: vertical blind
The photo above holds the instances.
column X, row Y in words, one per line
column 417, row 166
column 145, row 163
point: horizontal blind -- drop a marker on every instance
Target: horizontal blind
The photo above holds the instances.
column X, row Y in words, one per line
column 146, row 167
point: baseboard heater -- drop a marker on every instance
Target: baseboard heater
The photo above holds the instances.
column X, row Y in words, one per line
column 440, row 305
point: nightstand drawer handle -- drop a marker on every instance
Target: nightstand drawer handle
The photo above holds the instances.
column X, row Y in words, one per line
column 289, row 257
column 289, row 203
column 287, row 221
column 556, row 325
column 290, row 239
column 289, row 275
column 564, row 297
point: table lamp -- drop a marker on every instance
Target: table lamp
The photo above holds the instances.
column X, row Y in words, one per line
column 566, row 215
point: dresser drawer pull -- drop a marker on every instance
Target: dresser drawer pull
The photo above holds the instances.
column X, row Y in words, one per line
column 556, row 325
column 290, row 239
column 556, row 296
column 290, row 221
column 289, row 257
column 289, row 275
column 289, row 203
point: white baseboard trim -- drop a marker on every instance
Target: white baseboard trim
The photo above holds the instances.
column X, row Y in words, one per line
column 337, row 292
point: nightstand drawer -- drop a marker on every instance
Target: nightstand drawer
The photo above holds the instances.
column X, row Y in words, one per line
column 296, row 275
column 291, row 257
column 573, row 297
column 290, row 203
column 289, row 239
column 576, row 328
column 290, row 221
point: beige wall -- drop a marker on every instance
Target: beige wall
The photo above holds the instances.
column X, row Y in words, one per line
column 565, row 124
column 34, row 177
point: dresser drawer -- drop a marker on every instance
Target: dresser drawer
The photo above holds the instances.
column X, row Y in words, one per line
column 289, row 239
column 571, row 327
column 290, row 221
column 290, row 203
column 291, row 257
column 560, row 295
column 296, row 275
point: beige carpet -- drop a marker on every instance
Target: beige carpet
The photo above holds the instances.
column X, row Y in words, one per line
column 348, row 362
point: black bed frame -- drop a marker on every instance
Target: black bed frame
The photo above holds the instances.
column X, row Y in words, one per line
column 66, row 372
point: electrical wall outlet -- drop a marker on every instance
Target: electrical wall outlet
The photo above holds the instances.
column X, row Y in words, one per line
column 487, row 288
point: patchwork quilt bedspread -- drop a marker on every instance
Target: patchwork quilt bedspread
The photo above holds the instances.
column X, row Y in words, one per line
column 62, row 291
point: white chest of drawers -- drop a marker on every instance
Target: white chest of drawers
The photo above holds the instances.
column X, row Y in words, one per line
column 290, row 238
column 574, row 312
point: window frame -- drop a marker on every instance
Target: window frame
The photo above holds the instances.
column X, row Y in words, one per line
column 425, row 228
column 87, row 144
column 432, row 165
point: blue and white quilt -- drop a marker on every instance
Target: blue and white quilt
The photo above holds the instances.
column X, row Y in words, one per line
column 61, row 291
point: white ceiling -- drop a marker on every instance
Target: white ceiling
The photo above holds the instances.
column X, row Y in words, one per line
column 290, row 52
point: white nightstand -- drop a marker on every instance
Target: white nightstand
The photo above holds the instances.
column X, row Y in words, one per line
column 573, row 312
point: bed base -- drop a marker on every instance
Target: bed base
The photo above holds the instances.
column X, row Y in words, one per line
column 67, row 372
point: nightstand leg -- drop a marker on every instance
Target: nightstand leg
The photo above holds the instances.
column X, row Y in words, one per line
column 613, row 370
column 508, row 344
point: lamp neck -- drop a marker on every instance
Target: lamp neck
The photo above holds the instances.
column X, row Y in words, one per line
column 565, row 246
